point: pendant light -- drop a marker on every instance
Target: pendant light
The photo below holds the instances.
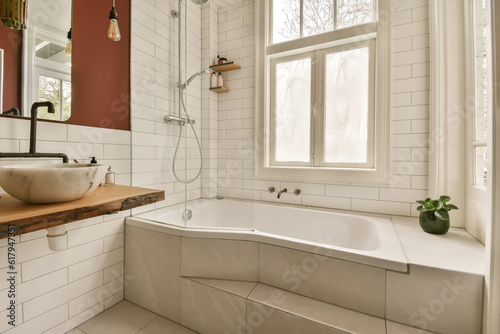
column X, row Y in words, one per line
column 114, row 30
column 69, row 45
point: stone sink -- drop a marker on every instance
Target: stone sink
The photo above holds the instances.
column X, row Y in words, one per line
column 51, row 183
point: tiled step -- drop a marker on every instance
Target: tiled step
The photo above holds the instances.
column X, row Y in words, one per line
column 288, row 305
column 219, row 306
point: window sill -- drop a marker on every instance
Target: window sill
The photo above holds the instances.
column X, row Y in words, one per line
column 357, row 175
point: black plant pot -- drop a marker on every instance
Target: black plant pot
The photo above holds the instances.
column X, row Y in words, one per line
column 432, row 224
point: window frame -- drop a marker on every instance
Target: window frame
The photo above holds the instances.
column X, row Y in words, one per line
column 379, row 31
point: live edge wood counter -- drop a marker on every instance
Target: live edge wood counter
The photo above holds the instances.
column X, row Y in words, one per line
column 104, row 200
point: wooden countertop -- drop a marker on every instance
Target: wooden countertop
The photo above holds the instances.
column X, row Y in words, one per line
column 104, row 200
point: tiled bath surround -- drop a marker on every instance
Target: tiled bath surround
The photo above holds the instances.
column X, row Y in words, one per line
column 221, row 286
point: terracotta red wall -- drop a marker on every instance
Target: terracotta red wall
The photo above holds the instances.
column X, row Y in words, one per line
column 11, row 43
column 101, row 72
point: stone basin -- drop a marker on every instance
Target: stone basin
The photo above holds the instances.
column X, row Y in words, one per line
column 51, row 183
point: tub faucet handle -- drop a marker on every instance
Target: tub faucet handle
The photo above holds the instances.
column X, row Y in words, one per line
column 271, row 189
column 297, row 192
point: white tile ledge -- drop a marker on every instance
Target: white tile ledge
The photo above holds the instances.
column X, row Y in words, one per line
column 317, row 311
column 457, row 250
column 238, row 288
column 300, row 306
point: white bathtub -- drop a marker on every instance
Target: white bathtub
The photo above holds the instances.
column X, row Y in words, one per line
column 362, row 239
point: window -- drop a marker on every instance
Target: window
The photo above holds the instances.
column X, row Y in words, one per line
column 57, row 91
column 318, row 74
column 482, row 90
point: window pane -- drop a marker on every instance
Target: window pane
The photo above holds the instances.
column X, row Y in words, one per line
column 66, row 100
column 346, row 106
column 481, row 69
column 481, row 163
column 318, row 16
column 286, row 20
column 50, row 90
column 293, row 115
column 353, row 12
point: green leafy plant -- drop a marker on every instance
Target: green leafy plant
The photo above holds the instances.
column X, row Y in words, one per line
column 440, row 207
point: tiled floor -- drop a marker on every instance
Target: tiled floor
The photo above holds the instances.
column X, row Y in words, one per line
column 128, row 318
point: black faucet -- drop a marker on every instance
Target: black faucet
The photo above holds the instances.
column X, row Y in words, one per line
column 12, row 111
column 32, row 153
column 281, row 192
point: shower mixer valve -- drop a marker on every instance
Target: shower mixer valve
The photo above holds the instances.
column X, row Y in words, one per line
column 169, row 119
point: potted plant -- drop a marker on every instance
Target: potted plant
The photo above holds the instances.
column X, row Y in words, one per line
column 434, row 217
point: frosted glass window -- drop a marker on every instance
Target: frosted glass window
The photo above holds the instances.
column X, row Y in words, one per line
column 481, row 166
column 346, row 106
column 482, row 93
column 292, row 118
column 481, row 70
column 353, row 12
column 286, row 20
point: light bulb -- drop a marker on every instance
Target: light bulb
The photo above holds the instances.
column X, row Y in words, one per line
column 69, row 48
column 114, row 30
column 69, row 45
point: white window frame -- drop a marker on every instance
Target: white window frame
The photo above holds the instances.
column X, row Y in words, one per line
column 378, row 31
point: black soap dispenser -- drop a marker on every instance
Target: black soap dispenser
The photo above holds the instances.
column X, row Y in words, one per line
column 93, row 161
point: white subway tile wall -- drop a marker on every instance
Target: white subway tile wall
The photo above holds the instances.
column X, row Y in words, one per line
column 409, row 114
column 59, row 290
column 154, row 94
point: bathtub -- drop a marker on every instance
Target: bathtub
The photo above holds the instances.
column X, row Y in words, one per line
column 361, row 239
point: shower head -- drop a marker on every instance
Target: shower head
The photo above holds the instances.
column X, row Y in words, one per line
column 199, row 2
column 194, row 76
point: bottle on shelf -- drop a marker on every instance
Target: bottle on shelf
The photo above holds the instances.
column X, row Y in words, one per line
column 220, row 81
column 109, row 179
column 213, row 80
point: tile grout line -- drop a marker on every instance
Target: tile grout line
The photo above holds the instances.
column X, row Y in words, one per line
column 157, row 316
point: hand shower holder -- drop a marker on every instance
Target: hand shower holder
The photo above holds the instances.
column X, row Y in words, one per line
column 170, row 119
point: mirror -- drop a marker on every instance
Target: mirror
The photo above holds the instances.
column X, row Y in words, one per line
column 44, row 45
column 37, row 67
column 93, row 84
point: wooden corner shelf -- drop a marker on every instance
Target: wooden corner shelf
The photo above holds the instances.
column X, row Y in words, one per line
column 219, row 90
column 228, row 66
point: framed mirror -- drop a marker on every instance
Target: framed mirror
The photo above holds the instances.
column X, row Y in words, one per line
column 44, row 53
column 92, row 87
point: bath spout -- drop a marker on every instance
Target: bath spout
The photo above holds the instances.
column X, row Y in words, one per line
column 281, row 192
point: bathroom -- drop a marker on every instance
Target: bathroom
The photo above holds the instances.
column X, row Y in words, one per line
column 145, row 275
